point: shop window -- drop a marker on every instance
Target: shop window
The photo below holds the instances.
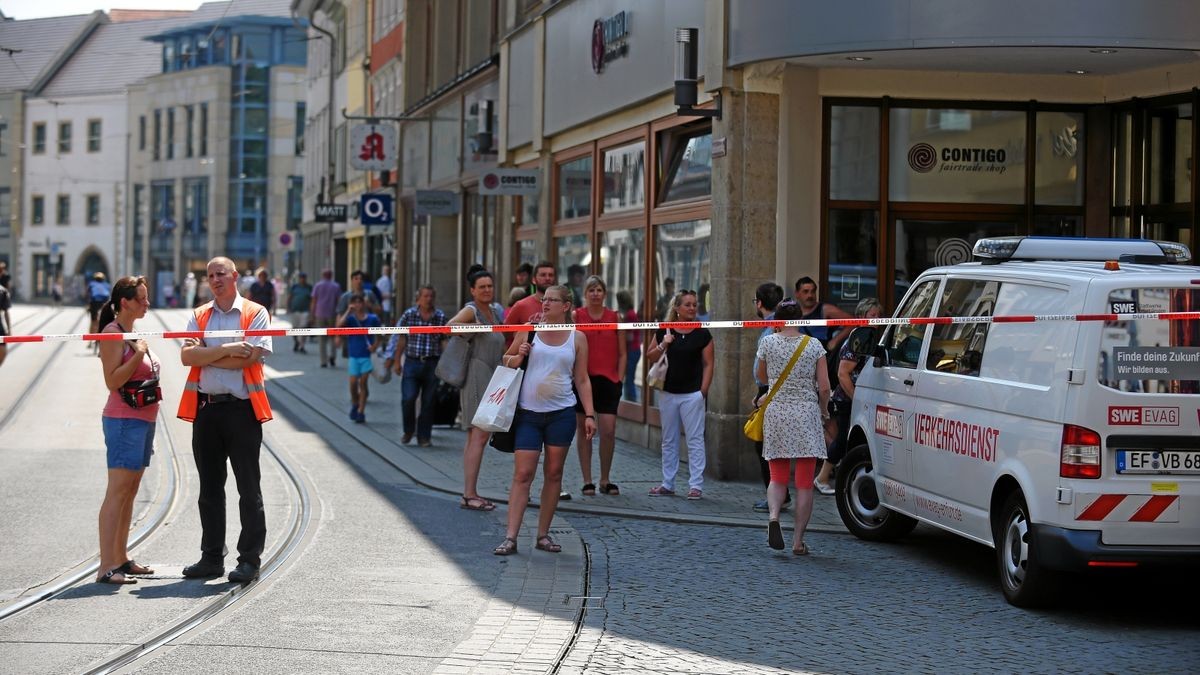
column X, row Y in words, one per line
column 969, row 156
column 623, row 268
column 572, row 259
column 625, row 177
column 575, row 188
column 854, row 153
column 1058, row 168
column 1169, row 162
column 1046, row 225
column 688, row 172
column 527, row 251
column 853, row 258
column 921, row 244
column 682, row 261
column 958, row 348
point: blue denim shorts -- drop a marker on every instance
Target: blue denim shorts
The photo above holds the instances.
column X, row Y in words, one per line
column 130, row 442
column 534, row 429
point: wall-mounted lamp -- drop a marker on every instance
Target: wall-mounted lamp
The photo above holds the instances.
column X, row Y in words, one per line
column 687, row 47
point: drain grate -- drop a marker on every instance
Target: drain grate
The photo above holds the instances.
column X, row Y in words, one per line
column 584, row 600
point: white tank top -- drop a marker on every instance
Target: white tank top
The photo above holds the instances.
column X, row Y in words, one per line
column 548, row 376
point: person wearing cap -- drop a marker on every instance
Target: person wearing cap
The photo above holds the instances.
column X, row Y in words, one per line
column 299, row 302
column 98, row 292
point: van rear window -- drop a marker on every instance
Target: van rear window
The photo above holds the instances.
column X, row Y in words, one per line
column 1151, row 356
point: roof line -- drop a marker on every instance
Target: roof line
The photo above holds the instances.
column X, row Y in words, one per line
column 97, row 19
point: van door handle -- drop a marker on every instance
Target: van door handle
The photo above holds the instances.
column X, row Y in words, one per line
column 908, row 383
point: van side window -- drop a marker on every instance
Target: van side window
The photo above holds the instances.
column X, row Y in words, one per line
column 958, row 347
column 903, row 342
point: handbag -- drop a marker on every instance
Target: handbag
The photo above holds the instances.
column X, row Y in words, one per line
column 657, row 375
column 452, row 366
column 506, row 441
column 753, row 429
column 380, row 371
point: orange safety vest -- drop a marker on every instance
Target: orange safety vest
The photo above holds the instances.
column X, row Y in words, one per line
column 252, row 375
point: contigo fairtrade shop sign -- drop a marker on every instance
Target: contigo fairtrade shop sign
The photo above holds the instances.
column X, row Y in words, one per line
column 925, row 158
column 610, row 40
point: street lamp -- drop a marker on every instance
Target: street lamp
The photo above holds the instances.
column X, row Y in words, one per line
column 687, row 48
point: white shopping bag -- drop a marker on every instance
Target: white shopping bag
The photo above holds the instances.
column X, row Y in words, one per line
column 499, row 404
column 380, row 370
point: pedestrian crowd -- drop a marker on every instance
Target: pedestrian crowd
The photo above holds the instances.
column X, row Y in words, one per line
column 531, row 393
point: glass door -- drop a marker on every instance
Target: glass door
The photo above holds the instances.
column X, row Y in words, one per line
column 921, row 243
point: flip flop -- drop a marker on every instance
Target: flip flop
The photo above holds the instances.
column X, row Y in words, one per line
column 774, row 535
column 109, row 578
column 589, row 490
column 610, row 489
column 476, row 504
column 131, row 567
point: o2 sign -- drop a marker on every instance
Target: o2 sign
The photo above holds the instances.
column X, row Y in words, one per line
column 375, row 209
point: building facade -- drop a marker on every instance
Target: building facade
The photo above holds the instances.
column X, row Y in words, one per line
column 216, row 146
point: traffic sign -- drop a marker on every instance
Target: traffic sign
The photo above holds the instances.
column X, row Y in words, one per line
column 331, row 213
column 373, row 147
column 375, row 209
column 285, row 239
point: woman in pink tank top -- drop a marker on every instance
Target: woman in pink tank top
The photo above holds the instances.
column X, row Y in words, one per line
column 128, row 430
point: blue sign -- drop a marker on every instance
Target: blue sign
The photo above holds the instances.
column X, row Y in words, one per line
column 375, row 209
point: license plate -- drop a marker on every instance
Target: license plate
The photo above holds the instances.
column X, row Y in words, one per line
column 1158, row 461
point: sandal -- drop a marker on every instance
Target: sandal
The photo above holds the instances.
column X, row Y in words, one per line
column 506, row 547
column 110, row 578
column 775, row 536
column 132, row 567
column 545, row 543
column 475, row 504
column 610, row 489
column 803, row 550
column 660, row 491
column 589, row 490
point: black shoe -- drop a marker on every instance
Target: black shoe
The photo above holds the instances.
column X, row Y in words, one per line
column 244, row 573
column 204, row 568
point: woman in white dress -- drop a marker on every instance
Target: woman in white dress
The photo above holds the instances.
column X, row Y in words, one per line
column 793, row 425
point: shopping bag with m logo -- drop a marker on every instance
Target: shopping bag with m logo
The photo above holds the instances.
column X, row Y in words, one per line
column 499, row 404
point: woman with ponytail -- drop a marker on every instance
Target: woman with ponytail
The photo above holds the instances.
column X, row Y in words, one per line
column 128, row 422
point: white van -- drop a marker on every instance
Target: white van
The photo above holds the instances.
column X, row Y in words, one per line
column 1065, row 443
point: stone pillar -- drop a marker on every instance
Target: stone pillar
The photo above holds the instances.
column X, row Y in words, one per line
column 744, row 190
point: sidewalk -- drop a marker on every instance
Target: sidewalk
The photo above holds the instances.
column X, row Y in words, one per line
column 635, row 469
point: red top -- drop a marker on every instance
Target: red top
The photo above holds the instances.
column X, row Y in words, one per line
column 603, row 353
column 634, row 336
column 520, row 313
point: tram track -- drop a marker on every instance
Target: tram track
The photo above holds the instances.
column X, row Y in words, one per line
column 32, row 386
column 273, row 561
column 90, row 567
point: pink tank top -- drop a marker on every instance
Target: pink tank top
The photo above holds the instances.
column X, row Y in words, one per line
column 115, row 407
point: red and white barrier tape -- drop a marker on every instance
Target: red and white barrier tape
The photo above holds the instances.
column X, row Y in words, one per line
column 649, row 325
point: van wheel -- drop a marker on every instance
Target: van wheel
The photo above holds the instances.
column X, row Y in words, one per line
column 858, row 501
column 1024, row 580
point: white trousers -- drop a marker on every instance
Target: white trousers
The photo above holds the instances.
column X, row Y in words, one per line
column 682, row 412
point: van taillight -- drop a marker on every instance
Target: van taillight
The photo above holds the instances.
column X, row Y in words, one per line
column 1080, row 454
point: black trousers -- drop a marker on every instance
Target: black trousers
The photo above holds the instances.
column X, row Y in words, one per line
column 229, row 431
column 763, row 466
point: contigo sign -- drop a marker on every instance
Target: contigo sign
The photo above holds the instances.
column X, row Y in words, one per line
column 511, row 182
column 332, row 213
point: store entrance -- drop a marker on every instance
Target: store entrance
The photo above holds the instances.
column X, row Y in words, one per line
column 919, row 243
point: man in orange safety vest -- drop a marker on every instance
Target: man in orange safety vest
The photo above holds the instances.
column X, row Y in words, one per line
column 226, row 399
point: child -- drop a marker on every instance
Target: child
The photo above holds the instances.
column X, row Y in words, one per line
column 359, row 348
